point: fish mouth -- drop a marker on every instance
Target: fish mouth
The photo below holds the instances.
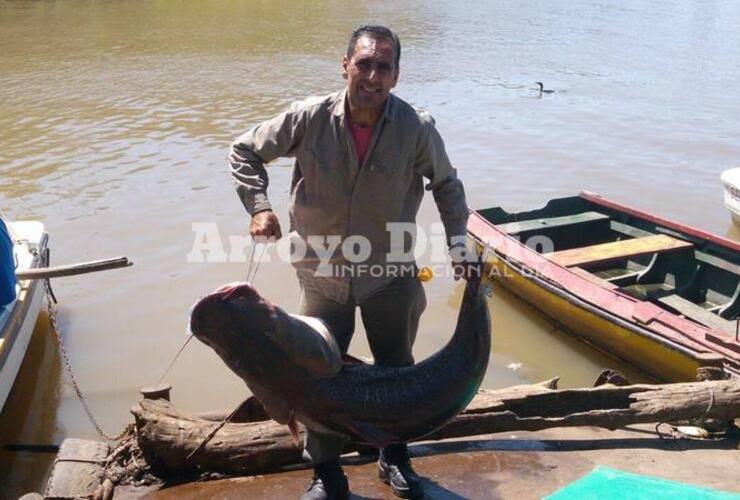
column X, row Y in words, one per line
column 238, row 290
column 238, row 300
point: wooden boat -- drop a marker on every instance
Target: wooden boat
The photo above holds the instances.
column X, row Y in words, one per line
column 731, row 188
column 17, row 319
column 660, row 295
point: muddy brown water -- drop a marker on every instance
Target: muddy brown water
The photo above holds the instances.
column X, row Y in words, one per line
column 116, row 120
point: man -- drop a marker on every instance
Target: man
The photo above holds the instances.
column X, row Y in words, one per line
column 7, row 267
column 361, row 156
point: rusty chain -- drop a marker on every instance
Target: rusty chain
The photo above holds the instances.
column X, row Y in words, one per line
column 54, row 325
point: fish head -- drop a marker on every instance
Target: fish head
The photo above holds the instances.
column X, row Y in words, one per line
column 240, row 325
column 259, row 341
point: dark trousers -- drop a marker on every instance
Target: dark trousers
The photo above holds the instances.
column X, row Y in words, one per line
column 391, row 319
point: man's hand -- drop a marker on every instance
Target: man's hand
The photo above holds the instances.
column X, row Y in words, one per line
column 465, row 264
column 466, row 270
column 265, row 226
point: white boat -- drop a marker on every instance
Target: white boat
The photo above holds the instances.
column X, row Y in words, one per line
column 18, row 318
column 731, row 186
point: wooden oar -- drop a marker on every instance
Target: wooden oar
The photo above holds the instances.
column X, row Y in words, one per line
column 73, row 269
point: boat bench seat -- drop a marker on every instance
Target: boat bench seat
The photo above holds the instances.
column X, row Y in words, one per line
column 618, row 250
column 698, row 314
column 526, row 226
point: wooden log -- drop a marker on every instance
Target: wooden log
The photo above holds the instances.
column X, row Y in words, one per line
column 170, row 437
column 73, row 269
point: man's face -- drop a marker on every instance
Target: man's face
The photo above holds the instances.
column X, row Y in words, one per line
column 371, row 73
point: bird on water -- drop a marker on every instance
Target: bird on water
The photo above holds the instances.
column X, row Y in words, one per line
column 543, row 90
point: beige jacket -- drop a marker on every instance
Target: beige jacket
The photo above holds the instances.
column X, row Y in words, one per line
column 331, row 194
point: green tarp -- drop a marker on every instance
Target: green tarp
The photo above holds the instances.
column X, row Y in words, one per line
column 611, row 484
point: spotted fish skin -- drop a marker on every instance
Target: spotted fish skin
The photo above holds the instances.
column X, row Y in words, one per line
column 369, row 404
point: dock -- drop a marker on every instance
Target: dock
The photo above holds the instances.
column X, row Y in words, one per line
column 503, row 465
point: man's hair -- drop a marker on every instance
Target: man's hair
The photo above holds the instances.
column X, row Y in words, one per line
column 375, row 32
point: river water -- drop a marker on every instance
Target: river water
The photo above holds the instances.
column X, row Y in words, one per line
column 116, row 119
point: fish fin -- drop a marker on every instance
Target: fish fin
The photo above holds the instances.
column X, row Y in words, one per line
column 371, row 434
column 294, row 431
column 351, row 360
column 251, row 410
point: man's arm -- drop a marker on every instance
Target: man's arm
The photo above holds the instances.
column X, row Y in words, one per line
column 275, row 138
column 433, row 163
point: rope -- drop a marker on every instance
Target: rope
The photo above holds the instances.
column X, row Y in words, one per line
column 210, row 435
column 657, row 429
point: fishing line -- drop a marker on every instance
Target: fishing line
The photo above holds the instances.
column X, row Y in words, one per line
column 190, row 334
column 251, row 260
column 257, row 266
column 167, row 371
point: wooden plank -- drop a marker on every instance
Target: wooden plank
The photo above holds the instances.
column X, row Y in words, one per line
column 615, row 250
column 698, row 313
column 77, row 470
column 718, row 262
column 550, row 222
column 730, row 343
column 629, row 230
column 73, row 269
column 703, row 257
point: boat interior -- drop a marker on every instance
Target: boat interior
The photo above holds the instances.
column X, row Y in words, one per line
column 691, row 276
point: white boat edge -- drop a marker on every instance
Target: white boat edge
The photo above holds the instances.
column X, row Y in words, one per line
column 731, row 188
column 17, row 324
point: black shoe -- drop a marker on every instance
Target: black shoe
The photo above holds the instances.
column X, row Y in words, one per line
column 394, row 469
column 328, row 483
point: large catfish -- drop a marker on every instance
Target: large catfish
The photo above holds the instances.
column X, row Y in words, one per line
column 294, row 368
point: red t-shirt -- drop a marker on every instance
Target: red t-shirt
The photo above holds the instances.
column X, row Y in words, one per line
column 361, row 136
